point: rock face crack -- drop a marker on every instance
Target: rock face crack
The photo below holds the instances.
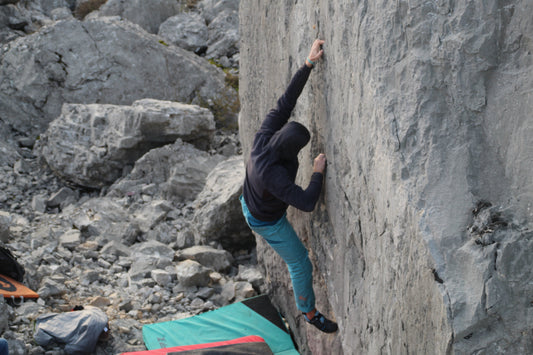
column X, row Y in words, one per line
column 95, row 43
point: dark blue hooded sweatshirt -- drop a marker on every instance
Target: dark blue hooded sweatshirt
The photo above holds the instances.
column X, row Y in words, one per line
column 269, row 186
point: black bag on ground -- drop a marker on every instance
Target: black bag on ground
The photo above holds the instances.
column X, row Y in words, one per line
column 9, row 266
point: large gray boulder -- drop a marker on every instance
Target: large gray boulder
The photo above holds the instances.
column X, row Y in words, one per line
column 12, row 23
column 48, row 6
column 218, row 214
column 185, row 30
column 175, row 172
column 210, row 9
column 91, row 144
column 223, row 35
column 149, row 14
column 103, row 60
column 423, row 110
column 18, row 18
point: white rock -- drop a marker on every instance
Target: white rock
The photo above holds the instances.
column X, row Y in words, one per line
column 192, row 273
column 216, row 259
column 71, row 239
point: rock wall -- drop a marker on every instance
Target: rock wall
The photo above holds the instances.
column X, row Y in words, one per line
column 421, row 242
column 103, row 60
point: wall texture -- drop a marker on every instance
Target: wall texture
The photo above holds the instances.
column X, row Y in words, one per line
column 421, row 242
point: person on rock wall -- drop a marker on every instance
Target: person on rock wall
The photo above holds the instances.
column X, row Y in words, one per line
column 269, row 188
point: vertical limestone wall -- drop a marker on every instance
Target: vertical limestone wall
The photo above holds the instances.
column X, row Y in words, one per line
column 421, row 241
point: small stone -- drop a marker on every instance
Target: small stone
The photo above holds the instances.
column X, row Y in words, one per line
column 51, row 288
column 125, row 306
column 215, row 277
column 162, row 277
column 243, row 290
column 89, row 276
column 71, row 239
column 21, row 167
column 60, row 197
column 99, row 301
column 38, row 203
column 197, row 303
column 205, row 292
column 252, row 275
column 192, row 273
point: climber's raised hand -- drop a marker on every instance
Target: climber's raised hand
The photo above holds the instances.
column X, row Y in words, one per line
column 315, row 53
column 319, row 164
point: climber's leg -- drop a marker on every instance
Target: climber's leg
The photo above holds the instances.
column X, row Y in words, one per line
column 283, row 239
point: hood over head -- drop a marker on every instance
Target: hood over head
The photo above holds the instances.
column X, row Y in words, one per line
column 288, row 141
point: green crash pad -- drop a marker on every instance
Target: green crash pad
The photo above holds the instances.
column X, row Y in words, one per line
column 253, row 316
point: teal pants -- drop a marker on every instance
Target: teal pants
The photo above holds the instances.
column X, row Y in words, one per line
column 283, row 239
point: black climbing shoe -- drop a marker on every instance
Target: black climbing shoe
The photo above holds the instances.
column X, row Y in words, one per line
column 322, row 323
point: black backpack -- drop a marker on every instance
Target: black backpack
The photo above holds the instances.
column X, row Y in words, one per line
column 9, row 266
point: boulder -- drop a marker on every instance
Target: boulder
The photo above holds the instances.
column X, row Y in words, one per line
column 216, row 259
column 210, row 9
column 223, row 35
column 218, row 214
column 90, row 145
column 178, row 170
column 149, row 14
column 12, row 22
column 49, row 6
column 61, row 13
column 91, row 62
column 186, row 30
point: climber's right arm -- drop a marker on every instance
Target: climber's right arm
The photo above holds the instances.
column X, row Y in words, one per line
column 278, row 116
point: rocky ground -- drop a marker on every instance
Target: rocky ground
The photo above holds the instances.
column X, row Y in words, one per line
column 110, row 199
column 132, row 256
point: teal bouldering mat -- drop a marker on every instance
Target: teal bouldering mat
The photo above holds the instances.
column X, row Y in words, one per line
column 253, row 316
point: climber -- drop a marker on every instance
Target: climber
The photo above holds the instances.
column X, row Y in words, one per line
column 269, row 188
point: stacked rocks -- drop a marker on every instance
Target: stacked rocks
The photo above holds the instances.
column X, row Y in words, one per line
column 132, row 254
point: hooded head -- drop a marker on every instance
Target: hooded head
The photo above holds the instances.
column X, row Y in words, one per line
column 288, row 141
